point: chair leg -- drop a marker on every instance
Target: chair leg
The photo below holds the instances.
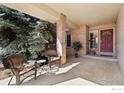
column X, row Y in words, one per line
column 17, row 79
column 49, row 62
column 60, row 62
column 35, row 74
column 10, row 80
column 35, row 71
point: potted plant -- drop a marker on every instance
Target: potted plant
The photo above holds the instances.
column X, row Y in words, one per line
column 77, row 46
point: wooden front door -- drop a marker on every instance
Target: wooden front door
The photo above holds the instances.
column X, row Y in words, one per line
column 106, row 40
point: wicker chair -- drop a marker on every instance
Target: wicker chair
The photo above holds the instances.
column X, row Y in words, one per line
column 16, row 63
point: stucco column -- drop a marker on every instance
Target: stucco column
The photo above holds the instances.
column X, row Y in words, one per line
column 61, row 37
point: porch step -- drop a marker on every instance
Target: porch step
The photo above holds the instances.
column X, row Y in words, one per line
column 102, row 58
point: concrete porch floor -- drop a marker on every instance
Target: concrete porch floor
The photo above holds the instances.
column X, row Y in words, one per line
column 98, row 71
column 93, row 71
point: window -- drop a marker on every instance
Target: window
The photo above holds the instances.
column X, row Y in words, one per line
column 68, row 39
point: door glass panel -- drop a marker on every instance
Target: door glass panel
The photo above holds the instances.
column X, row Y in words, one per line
column 93, row 39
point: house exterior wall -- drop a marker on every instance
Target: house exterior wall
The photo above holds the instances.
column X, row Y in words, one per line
column 120, row 38
column 103, row 27
column 80, row 34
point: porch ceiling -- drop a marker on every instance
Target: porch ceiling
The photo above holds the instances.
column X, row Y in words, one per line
column 90, row 14
column 77, row 14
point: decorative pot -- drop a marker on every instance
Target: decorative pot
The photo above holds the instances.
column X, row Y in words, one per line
column 76, row 55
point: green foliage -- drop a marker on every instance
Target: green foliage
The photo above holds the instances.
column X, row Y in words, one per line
column 77, row 45
column 20, row 32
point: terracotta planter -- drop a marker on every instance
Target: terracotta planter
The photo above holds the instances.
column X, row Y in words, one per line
column 76, row 55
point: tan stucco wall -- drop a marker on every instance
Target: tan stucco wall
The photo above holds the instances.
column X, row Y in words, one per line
column 102, row 27
column 120, row 38
column 80, row 35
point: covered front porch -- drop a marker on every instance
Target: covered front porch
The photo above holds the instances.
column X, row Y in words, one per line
column 100, row 68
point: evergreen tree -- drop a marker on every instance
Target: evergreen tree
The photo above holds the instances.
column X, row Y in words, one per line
column 20, row 32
